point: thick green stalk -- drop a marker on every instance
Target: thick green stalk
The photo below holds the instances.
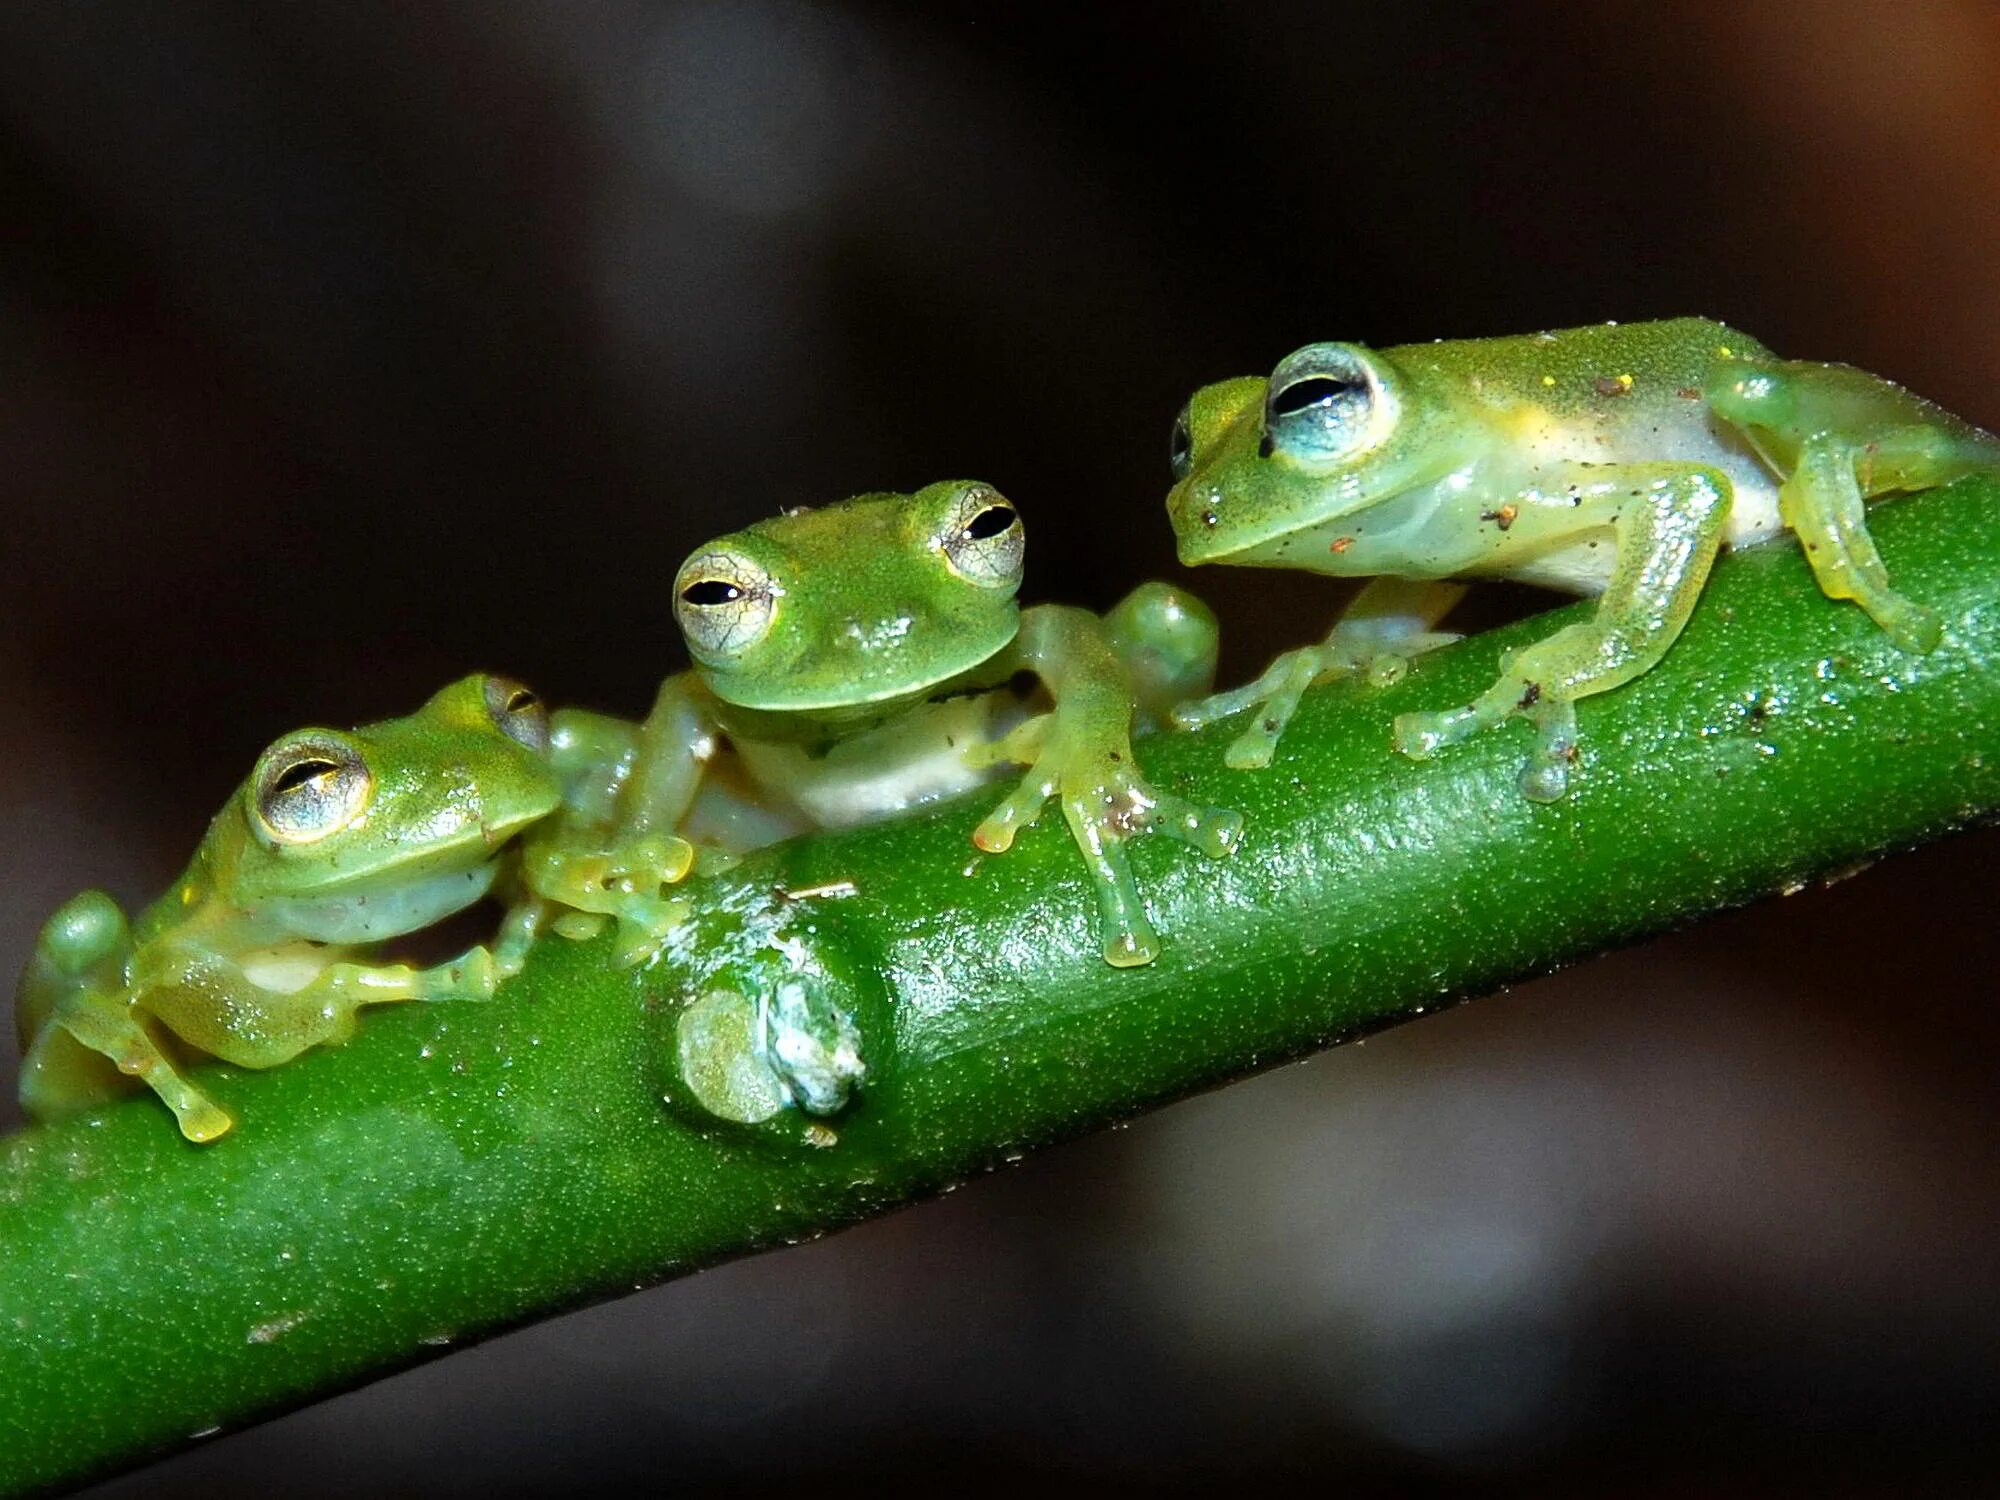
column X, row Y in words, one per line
column 461, row 1167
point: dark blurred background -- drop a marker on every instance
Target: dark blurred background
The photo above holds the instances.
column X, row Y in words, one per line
column 346, row 347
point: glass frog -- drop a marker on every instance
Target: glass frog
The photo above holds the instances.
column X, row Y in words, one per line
column 336, row 842
column 1610, row 460
column 852, row 664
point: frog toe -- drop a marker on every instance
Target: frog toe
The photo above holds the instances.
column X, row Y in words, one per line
column 1131, row 949
column 1421, row 736
column 1199, row 713
column 1254, row 749
column 1215, row 831
column 1912, row 626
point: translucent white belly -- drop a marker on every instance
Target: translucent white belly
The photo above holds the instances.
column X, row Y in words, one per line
column 1584, row 566
column 909, row 763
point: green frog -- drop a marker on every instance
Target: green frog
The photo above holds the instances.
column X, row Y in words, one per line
column 852, row 663
column 337, row 842
column 1614, row 460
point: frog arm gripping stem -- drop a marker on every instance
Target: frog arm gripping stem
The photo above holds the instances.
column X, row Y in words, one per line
column 848, row 1022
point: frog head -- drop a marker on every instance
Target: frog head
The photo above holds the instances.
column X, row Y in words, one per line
column 854, row 606
column 1334, row 429
column 362, row 834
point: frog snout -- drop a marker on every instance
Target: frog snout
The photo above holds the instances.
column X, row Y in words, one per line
column 1196, row 512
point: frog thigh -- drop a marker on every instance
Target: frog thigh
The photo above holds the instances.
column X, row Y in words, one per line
column 82, row 946
column 612, row 849
column 61, row 1076
column 81, row 1046
column 1167, row 639
column 1839, row 436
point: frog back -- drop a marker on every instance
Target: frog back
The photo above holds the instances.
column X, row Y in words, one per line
column 1621, row 374
column 1610, row 393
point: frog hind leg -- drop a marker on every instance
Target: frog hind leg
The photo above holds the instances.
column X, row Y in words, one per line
column 1668, row 523
column 1822, row 502
column 1168, row 641
column 55, row 1083
column 621, row 880
column 1839, row 437
column 84, row 1044
column 1390, row 621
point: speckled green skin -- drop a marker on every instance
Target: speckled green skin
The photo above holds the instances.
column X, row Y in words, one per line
column 1613, row 460
column 850, row 659
column 446, row 787
column 460, row 1168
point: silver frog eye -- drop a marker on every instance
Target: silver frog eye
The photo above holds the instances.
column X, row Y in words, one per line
column 983, row 540
column 309, row 785
column 518, row 712
column 724, row 603
column 1323, row 403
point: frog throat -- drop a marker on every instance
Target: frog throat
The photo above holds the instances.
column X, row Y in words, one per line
column 788, row 699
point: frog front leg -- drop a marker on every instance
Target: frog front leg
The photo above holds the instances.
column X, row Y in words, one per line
column 233, row 1010
column 1389, row 621
column 1667, row 525
column 612, row 850
column 1081, row 753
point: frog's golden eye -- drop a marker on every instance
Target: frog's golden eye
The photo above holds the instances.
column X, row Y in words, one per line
column 983, row 540
column 518, row 712
column 309, row 785
column 1325, row 403
column 1180, row 451
column 725, row 603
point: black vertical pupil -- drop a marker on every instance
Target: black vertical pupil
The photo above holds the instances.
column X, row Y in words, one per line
column 989, row 523
column 1311, row 391
column 521, row 701
column 711, row 591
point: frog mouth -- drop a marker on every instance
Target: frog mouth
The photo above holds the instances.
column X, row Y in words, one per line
column 864, row 699
column 405, row 896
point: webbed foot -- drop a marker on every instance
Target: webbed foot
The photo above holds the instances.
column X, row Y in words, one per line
column 1105, row 801
column 1380, row 650
column 1546, row 776
column 625, row 882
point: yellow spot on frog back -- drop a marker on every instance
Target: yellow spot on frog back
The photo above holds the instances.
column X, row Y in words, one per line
column 1548, row 380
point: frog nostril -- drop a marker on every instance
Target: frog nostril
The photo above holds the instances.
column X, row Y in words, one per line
column 1210, row 519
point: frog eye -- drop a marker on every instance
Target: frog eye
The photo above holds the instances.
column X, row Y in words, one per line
column 1325, row 402
column 1180, row 451
column 982, row 540
column 518, row 712
column 309, row 785
column 724, row 603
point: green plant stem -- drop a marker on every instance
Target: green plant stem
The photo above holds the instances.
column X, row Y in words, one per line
column 462, row 1167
